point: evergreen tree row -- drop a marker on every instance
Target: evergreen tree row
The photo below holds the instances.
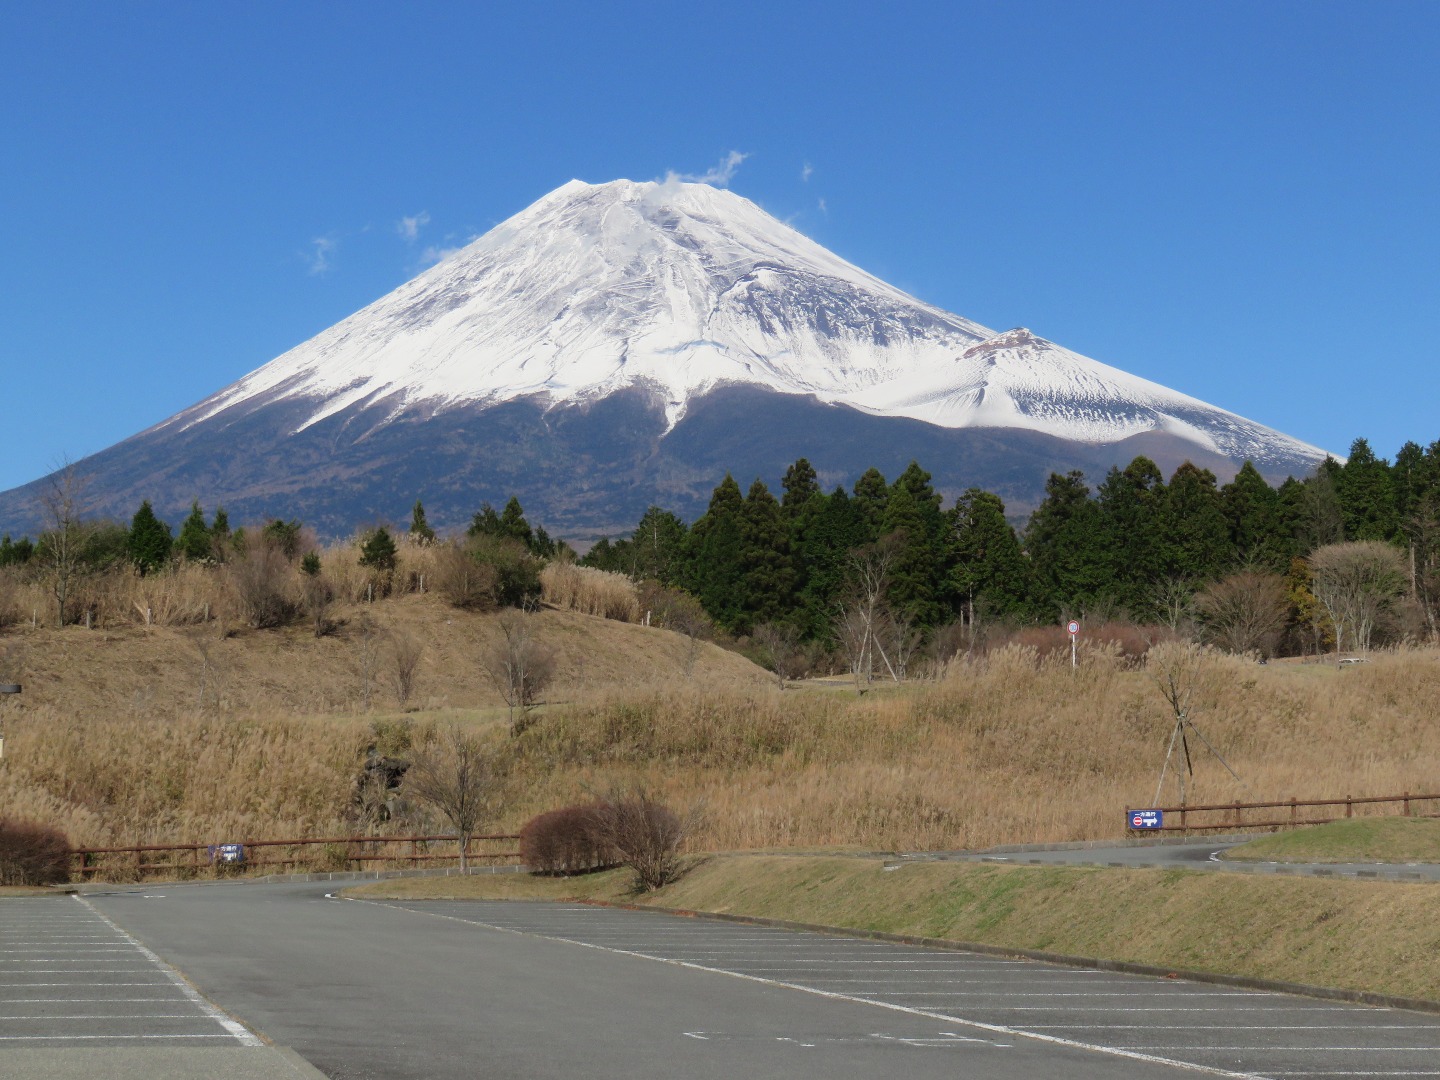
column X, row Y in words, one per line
column 1129, row 547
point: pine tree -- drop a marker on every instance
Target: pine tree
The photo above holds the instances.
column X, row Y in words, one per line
column 1131, row 502
column 220, row 538
column 991, row 576
column 1252, row 513
column 378, row 551
column 1196, row 535
column 1367, row 495
column 194, row 543
column 514, row 525
column 149, row 542
column 485, row 522
column 871, row 495
column 917, row 576
column 765, row 556
column 1066, row 547
column 657, row 548
column 420, row 530
column 823, row 535
column 715, row 573
column 800, row 486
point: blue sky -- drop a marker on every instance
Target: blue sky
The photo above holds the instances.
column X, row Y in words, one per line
column 1238, row 200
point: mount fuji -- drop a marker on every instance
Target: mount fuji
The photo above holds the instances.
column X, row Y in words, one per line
column 622, row 344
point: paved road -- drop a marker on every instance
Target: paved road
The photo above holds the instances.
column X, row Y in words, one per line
column 370, row 991
column 1194, row 855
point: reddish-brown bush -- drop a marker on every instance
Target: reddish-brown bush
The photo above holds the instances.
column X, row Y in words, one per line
column 1132, row 641
column 33, row 854
column 571, row 840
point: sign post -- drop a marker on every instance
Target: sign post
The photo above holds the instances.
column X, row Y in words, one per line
column 1074, row 628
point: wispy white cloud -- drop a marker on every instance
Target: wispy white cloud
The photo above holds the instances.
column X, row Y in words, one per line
column 806, row 173
column 321, row 255
column 719, row 175
column 823, row 208
column 409, row 227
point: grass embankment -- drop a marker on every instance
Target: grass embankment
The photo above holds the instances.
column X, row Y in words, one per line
column 1370, row 936
column 1356, row 840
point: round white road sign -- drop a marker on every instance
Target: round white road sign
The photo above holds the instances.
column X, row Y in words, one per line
column 1074, row 627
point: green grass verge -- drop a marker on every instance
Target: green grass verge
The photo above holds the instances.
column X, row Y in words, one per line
column 1387, row 840
column 1375, row 936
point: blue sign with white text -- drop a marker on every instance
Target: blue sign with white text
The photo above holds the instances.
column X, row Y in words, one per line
column 1146, row 819
column 227, row 853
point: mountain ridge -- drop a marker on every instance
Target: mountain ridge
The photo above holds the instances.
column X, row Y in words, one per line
column 668, row 293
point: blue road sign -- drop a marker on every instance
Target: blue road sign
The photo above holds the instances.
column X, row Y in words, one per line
column 227, row 853
column 1145, row 819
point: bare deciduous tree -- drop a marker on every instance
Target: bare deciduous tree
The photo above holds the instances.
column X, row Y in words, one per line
column 862, row 609
column 680, row 612
column 1358, row 584
column 367, row 657
column 319, row 596
column 519, row 666
column 62, row 546
column 261, row 577
column 405, row 654
column 780, row 645
column 464, row 582
column 456, row 776
column 1183, row 672
column 1245, row 612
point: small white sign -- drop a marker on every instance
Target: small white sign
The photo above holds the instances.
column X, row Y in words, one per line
column 1074, row 627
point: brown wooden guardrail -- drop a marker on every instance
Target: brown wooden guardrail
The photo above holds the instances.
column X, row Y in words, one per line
column 327, row 853
column 1236, row 816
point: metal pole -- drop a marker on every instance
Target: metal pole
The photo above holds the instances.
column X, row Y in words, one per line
column 1073, row 662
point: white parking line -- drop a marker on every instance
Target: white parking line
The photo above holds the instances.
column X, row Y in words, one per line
column 68, row 1038
column 234, row 1028
column 997, row 1029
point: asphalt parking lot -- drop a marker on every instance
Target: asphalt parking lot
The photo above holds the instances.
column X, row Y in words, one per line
column 985, row 998
column 376, row 990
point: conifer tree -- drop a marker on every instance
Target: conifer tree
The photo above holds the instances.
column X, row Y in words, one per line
column 917, row 575
column 657, row 549
column 1366, row 494
column 378, row 551
column 486, row 522
column 991, row 576
column 1196, row 535
column 800, row 485
column 1066, row 547
column 149, row 542
column 765, row 557
column 514, row 525
column 1252, row 514
column 420, row 530
column 195, row 538
column 220, row 538
column 871, row 495
column 714, row 551
column 824, row 534
column 1130, row 503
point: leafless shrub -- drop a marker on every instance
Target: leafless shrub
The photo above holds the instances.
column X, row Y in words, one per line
column 464, row 582
column 368, row 638
column 319, row 599
column 779, row 646
column 645, row 834
column 456, row 776
column 405, row 654
column 570, row 840
column 33, row 854
column 519, row 666
column 9, row 599
column 679, row 612
column 1245, row 612
column 261, row 578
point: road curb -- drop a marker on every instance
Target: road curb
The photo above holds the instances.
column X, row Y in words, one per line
column 1243, row 982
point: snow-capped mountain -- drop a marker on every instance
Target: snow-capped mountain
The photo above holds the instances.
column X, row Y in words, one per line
column 577, row 352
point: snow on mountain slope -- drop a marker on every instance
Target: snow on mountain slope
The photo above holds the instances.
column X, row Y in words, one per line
column 680, row 288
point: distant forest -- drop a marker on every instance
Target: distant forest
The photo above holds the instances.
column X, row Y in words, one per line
column 1178, row 553
column 1341, row 559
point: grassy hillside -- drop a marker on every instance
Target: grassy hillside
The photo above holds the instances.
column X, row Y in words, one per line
column 1390, row 840
column 137, row 734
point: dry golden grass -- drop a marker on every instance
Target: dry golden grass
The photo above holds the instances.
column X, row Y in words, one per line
column 590, row 591
column 1374, row 936
column 156, row 733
